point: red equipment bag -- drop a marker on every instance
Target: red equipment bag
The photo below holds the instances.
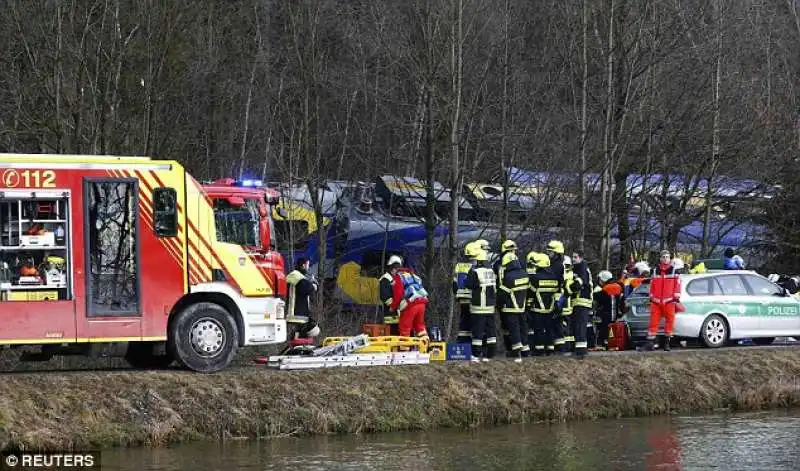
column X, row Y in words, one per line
column 617, row 335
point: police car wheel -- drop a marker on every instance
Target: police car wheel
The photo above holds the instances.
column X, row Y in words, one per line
column 714, row 332
column 203, row 337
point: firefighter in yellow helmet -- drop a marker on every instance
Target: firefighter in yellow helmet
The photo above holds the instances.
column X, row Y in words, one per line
column 529, row 315
column 508, row 254
column 482, row 283
column 545, row 286
column 462, row 293
column 511, row 298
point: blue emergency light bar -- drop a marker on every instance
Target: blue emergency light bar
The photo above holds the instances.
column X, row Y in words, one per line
column 251, row 183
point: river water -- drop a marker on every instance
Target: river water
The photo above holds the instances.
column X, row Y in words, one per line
column 752, row 441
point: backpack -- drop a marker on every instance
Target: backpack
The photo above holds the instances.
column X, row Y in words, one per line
column 412, row 286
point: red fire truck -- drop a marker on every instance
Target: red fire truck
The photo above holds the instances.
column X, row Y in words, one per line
column 103, row 253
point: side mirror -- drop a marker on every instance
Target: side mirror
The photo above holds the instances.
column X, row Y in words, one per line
column 236, row 201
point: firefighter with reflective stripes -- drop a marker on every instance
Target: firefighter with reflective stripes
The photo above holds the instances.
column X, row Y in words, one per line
column 508, row 254
column 584, row 299
column 511, row 299
column 545, row 286
column 482, row 283
column 529, row 315
column 301, row 287
column 386, row 291
column 462, row 293
column 562, row 330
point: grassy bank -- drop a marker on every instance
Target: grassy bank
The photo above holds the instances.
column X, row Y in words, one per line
column 91, row 409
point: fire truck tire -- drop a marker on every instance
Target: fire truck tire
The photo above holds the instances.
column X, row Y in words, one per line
column 203, row 337
column 143, row 355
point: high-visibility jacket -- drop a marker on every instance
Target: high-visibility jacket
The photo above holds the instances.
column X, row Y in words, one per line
column 568, row 291
column 463, row 294
column 545, row 287
column 665, row 285
column 585, row 295
column 408, row 290
column 514, row 288
column 482, row 282
column 386, row 291
column 300, row 291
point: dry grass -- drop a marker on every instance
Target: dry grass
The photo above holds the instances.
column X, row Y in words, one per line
column 91, row 409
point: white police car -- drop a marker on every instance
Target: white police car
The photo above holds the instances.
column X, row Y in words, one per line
column 723, row 306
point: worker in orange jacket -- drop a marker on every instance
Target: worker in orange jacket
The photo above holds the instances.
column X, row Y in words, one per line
column 665, row 292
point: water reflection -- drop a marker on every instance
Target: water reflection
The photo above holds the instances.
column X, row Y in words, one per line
column 766, row 441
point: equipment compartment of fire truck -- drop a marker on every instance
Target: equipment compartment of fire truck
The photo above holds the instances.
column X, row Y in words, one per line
column 33, row 245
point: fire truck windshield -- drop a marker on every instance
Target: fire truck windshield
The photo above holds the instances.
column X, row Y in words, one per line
column 237, row 224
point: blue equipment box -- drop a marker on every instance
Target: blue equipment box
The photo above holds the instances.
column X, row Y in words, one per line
column 459, row 351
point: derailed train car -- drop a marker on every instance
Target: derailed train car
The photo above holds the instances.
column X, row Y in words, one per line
column 366, row 222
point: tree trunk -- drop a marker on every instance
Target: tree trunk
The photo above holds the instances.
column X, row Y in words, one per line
column 606, row 207
column 455, row 187
column 504, row 130
column 715, row 146
column 584, row 113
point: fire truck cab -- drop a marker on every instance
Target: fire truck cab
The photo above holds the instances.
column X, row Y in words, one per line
column 105, row 252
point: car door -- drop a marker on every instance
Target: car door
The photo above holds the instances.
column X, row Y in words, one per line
column 740, row 307
column 779, row 314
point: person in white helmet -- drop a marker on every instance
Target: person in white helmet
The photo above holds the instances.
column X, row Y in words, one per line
column 608, row 305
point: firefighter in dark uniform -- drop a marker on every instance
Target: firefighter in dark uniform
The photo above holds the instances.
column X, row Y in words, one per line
column 545, row 286
column 584, row 299
column 511, row 299
column 386, row 289
column 508, row 251
column 529, row 315
column 562, row 329
column 482, row 283
column 301, row 287
column 462, row 293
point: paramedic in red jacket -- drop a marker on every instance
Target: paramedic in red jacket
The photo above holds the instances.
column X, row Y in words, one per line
column 409, row 300
column 665, row 291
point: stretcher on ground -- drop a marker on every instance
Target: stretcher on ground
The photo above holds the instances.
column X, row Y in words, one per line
column 360, row 350
column 384, row 344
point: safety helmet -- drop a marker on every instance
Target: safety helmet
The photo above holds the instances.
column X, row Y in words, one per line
column 604, row 276
column 481, row 255
column 555, row 246
column 567, row 261
column 468, row 248
column 472, row 250
column 394, row 259
column 531, row 257
column 483, row 244
column 508, row 245
column 642, row 267
column 540, row 260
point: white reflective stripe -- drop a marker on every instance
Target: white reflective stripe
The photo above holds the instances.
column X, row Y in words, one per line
column 122, row 165
column 24, row 194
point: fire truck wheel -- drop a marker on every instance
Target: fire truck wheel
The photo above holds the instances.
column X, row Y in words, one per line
column 203, row 337
column 143, row 355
